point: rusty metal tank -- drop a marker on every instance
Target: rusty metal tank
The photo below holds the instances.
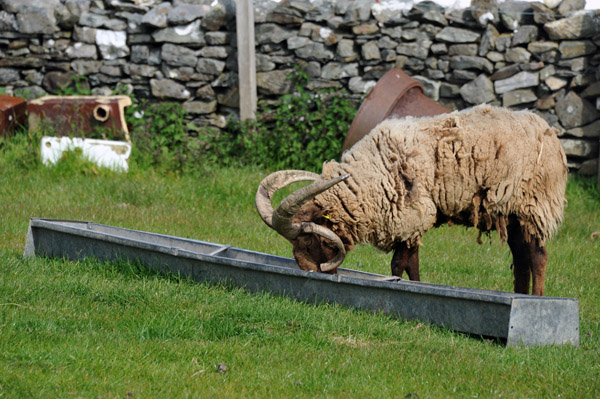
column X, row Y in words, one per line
column 80, row 116
column 396, row 94
column 13, row 112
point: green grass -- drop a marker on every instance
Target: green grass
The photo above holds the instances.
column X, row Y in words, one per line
column 95, row 330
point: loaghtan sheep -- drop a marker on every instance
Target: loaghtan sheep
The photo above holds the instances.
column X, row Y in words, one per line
column 487, row 167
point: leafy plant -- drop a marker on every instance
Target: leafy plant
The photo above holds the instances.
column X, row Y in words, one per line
column 305, row 128
column 159, row 135
column 77, row 86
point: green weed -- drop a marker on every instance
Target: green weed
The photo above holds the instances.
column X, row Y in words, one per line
column 76, row 86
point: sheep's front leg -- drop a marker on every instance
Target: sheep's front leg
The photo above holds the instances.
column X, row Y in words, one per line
column 529, row 260
column 406, row 259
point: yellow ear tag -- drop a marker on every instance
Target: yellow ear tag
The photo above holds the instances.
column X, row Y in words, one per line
column 327, row 216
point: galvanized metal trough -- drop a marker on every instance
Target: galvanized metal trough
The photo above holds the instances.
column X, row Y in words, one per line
column 517, row 319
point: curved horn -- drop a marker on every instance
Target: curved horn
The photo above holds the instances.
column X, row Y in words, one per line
column 276, row 181
column 330, row 235
column 282, row 217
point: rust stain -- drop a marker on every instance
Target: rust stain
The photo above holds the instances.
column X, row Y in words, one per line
column 80, row 116
column 13, row 112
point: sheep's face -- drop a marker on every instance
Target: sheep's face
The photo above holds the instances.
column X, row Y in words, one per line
column 311, row 250
column 317, row 245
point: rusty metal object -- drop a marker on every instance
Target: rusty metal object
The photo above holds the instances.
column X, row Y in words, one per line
column 395, row 95
column 80, row 116
column 13, row 112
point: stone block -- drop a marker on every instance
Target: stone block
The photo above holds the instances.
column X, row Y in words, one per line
column 471, row 62
column 555, row 83
column 157, row 17
column 457, row 35
column 524, row 34
column 167, row 89
column 182, row 34
column 274, row 82
column 112, row 44
column 337, row 71
column 488, row 40
column 518, row 97
column 419, row 49
column 9, row 75
column 575, row 111
column 588, row 168
column 518, row 81
column 541, row 47
column 365, row 29
column 185, row 13
column 81, row 50
column 271, row 33
column 370, row 51
column 579, row 147
column 84, row 34
column 514, row 14
column 359, row 86
column 469, row 49
column 210, row 66
column 214, row 52
column 592, row 90
column 314, row 51
column 588, row 131
column 576, row 48
column 478, row 91
column 36, row 20
column 517, row 55
column 576, row 26
column 176, row 55
column 200, row 107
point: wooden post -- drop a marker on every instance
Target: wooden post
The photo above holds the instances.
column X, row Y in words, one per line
column 246, row 58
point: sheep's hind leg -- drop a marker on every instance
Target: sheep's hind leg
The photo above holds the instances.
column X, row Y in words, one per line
column 406, row 259
column 539, row 257
column 529, row 259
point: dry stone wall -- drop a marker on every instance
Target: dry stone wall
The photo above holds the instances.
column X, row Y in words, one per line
column 515, row 54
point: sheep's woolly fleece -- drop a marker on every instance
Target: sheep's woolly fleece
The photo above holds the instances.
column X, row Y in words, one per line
column 474, row 167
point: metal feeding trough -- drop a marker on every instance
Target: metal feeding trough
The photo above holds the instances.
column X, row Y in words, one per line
column 518, row 319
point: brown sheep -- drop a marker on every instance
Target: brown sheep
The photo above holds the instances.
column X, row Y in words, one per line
column 487, row 167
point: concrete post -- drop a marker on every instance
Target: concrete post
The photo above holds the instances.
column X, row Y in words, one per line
column 246, row 58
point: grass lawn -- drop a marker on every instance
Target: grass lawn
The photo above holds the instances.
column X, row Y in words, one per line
column 96, row 330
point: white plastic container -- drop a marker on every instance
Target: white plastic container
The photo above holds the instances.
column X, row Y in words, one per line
column 105, row 153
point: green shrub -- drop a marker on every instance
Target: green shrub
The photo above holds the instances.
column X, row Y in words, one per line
column 158, row 134
column 305, row 129
column 77, row 86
